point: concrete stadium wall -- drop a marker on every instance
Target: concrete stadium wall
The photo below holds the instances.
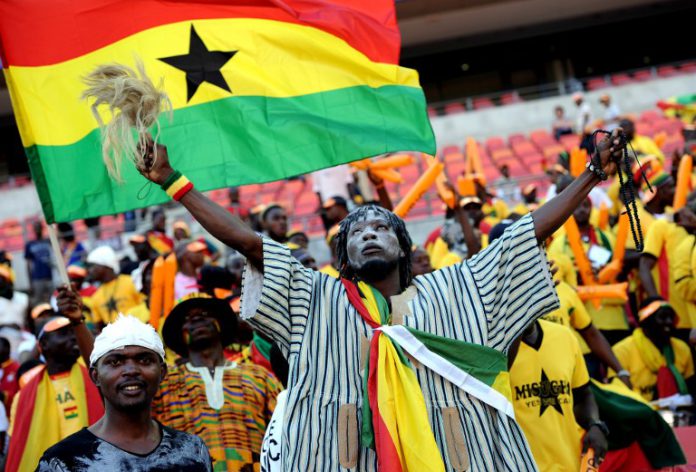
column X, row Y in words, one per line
column 528, row 116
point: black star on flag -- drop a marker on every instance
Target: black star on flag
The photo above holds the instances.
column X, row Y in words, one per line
column 112, row 305
column 547, row 396
column 201, row 65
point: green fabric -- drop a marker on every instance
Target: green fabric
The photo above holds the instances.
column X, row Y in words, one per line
column 263, row 346
column 236, row 141
column 481, row 362
column 668, row 353
column 630, row 420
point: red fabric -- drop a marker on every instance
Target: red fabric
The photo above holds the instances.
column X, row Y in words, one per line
column 663, row 274
column 630, row 459
column 25, row 409
column 259, row 359
column 387, row 457
column 9, row 383
column 357, row 302
column 666, row 383
column 40, row 32
column 239, row 210
column 432, row 237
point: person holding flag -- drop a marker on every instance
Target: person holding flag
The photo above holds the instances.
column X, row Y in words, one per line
column 463, row 315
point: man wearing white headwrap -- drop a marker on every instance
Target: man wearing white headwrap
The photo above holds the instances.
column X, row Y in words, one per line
column 127, row 366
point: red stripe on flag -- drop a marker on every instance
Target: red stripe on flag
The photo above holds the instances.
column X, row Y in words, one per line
column 357, row 301
column 387, row 457
column 43, row 32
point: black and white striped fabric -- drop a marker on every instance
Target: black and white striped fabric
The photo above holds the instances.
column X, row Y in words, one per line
column 488, row 300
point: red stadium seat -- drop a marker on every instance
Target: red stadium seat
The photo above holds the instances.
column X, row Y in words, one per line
column 510, row 98
column 524, row 148
column 452, row 153
column 643, row 75
column 650, row 116
column 432, row 112
column 454, row 108
column 500, row 155
column 552, row 151
column 688, row 67
column 483, row 103
column 667, row 71
column 541, row 138
column 570, row 141
column 596, row 83
column 621, row 79
column 516, row 138
column 495, row 143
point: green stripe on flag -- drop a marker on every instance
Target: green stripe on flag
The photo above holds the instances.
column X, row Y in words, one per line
column 238, row 141
column 630, row 420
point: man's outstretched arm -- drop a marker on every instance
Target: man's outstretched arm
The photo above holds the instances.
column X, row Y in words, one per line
column 223, row 225
column 550, row 216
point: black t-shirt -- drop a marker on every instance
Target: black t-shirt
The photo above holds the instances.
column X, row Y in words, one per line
column 83, row 452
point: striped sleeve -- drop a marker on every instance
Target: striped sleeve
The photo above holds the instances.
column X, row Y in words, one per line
column 514, row 283
column 277, row 301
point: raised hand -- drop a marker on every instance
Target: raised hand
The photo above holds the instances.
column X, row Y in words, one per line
column 155, row 165
column 69, row 304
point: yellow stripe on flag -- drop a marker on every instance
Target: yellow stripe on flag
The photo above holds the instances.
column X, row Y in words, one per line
column 274, row 59
column 402, row 408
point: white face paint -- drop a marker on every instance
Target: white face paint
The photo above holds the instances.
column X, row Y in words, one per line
column 372, row 240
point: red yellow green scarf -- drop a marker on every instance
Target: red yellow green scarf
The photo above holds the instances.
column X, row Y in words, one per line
column 395, row 419
column 37, row 424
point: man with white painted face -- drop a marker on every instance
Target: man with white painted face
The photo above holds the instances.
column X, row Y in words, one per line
column 331, row 329
column 127, row 366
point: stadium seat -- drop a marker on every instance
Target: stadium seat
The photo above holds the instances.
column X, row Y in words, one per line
column 643, row 75
column 621, row 79
column 510, row 98
column 500, row 155
column 432, row 112
column 667, row 71
column 523, row 149
column 570, row 141
column 650, row 116
column 454, row 108
column 688, row 67
column 483, row 103
column 551, row 152
column 516, row 138
column 452, row 153
column 597, row 83
column 542, row 138
column 495, row 143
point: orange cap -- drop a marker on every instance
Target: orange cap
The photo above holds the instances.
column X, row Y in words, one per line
column 38, row 309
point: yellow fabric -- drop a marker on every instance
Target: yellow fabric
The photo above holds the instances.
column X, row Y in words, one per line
column 47, row 425
column 663, row 234
column 610, row 315
column 329, row 270
column 521, row 209
column 316, row 60
column 566, row 269
column 646, row 146
column 637, row 362
column 400, row 392
column 542, row 382
column 119, row 295
column 571, row 313
column 683, row 270
column 440, row 255
column 68, row 409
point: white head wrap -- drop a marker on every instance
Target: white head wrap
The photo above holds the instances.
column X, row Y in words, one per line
column 105, row 256
column 127, row 330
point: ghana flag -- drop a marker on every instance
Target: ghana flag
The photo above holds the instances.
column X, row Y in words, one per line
column 261, row 90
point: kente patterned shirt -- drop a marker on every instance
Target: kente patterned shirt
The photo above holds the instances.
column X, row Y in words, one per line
column 229, row 410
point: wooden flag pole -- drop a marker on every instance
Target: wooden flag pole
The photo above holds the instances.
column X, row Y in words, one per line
column 62, row 270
